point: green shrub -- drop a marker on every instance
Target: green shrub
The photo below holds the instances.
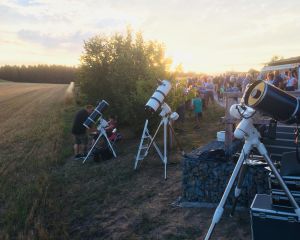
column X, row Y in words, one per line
column 122, row 69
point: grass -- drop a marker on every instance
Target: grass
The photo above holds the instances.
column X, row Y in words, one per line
column 48, row 195
column 31, row 130
column 108, row 200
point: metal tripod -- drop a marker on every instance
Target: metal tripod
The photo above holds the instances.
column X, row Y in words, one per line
column 102, row 133
column 251, row 136
column 144, row 148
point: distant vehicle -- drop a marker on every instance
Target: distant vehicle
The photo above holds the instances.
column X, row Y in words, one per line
column 282, row 66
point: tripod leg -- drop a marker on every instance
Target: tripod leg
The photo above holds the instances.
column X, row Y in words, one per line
column 176, row 139
column 165, row 146
column 263, row 151
column 238, row 188
column 219, row 211
column 152, row 140
column 108, row 142
column 145, row 131
column 92, row 148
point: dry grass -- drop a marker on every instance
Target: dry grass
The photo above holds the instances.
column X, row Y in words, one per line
column 30, row 146
column 45, row 195
column 109, row 200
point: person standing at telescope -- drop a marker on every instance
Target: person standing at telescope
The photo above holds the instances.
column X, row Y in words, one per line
column 79, row 131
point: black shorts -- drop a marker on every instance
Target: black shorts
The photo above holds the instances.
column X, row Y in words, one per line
column 199, row 114
column 81, row 139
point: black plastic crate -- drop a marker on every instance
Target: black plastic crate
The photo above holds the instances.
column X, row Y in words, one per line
column 280, row 199
column 272, row 223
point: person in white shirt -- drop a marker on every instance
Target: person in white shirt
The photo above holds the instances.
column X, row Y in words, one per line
column 291, row 84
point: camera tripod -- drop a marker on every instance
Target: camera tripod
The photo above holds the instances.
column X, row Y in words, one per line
column 102, row 131
column 246, row 130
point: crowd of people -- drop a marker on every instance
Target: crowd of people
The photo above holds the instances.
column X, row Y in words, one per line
column 287, row 80
column 200, row 91
column 198, row 94
column 206, row 88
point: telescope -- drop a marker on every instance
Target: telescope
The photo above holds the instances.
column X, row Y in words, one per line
column 273, row 102
column 147, row 140
column 96, row 114
column 157, row 99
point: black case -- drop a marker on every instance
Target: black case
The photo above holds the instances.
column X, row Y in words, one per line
column 292, row 182
column 272, row 223
column 279, row 198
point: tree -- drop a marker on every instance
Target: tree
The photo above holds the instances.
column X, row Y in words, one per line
column 122, row 69
column 275, row 58
column 38, row 74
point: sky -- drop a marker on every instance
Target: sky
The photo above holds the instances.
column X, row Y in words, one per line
column 203, row 35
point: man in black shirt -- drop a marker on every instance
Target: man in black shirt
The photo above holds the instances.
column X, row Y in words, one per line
column 80, row 132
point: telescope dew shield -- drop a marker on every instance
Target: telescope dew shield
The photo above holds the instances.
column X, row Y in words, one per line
column 96, row 114
column 158, row 96
column 273, row 101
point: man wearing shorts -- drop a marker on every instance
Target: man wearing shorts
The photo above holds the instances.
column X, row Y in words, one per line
column 80, row 132
column 197, row 106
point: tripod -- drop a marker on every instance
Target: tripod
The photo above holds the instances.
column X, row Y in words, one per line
column 102, row 131
column 246, row 130
column 167, row 117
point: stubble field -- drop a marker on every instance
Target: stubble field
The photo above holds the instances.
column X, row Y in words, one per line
column 31, row 133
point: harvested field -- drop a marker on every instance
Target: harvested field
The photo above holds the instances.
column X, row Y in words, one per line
column 31, row 136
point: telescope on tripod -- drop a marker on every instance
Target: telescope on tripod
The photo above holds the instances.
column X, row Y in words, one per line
column 96, row 118
column 167, row 116
column 281, row 106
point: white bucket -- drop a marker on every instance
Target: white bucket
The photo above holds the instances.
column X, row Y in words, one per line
column 221, row 136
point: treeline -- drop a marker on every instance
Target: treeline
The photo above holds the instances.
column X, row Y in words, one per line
column 38, row 73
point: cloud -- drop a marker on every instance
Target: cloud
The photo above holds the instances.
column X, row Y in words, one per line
column 52, row 41
column 195, row 32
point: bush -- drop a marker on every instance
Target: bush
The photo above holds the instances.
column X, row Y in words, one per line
column 122, row 69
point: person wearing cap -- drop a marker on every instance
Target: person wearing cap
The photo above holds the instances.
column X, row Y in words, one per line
column 80, row 132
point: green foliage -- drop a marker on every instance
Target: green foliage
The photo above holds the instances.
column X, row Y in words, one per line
column 123, row 70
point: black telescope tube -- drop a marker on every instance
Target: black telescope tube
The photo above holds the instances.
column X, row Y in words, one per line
column 273, row 102
column 96, row 114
